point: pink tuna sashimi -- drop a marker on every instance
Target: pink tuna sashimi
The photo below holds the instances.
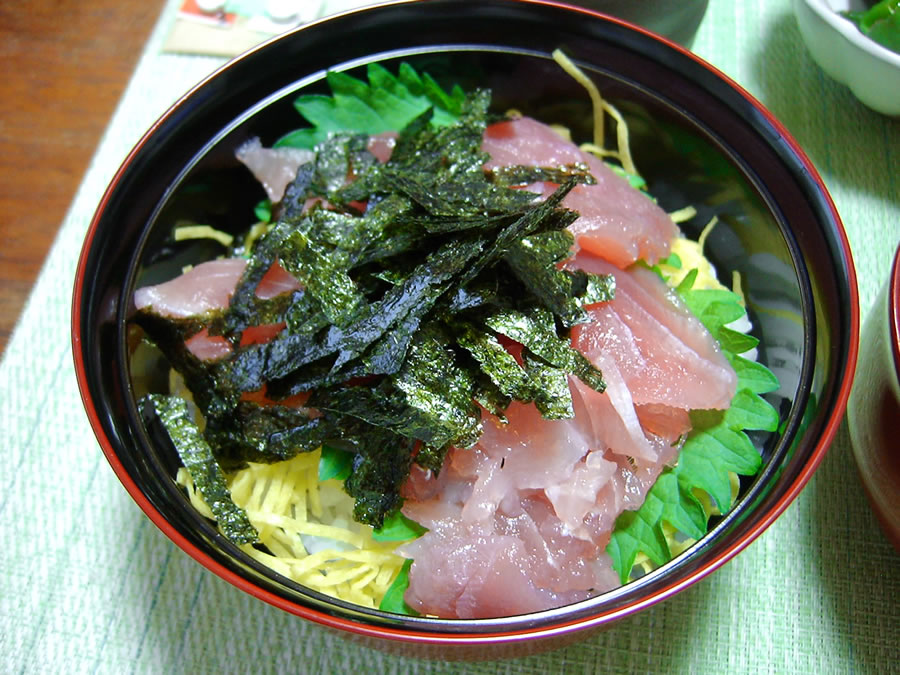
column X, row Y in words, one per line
column 511, row 565
column 274, row 168
column 616, row 221
column 610, row 419
column 526, row 512
column 208, row 287
column 472, row 568
column 276, row 281
column 471, row 572
column 662, row 421
column 530, row 453
column 382, row 145
column 208, row 347
column 664, row 353
column 203, row 288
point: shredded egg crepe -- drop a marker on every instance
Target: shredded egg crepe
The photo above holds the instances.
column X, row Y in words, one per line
column 308, row 526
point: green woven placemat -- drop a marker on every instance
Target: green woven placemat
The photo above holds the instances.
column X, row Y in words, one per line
column 89, row 585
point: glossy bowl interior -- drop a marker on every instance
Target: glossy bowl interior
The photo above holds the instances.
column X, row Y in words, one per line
column 697, row 138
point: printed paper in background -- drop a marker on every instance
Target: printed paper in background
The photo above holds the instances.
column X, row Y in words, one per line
column 234, row 26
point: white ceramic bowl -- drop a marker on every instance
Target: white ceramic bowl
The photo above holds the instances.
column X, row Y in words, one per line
column 871, row 71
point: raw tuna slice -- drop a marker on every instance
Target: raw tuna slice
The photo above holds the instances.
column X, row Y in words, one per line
column 472, row 571
column 208, row 287
column 519, row 522
column 205, row 287
column 664, row 353
column 382, row 145
column 664, row 421
column 208, row 347
column 610, row 418
column 275, row 168
column 626, row 489
column 276, row 281
column 506, row 564
column 617, row 222
column 529, row 452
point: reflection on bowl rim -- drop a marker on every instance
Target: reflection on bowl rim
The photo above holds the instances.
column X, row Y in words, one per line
column 817, row 451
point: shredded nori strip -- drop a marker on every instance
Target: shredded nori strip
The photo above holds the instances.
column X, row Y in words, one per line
column 198, row 458
column 510, row 379
column 414, row 276
column 214, row 395
column 242, row 310
column 378, row 471
column 526, row 175
column 267, row 434
column 535, row 330
column 430, row 399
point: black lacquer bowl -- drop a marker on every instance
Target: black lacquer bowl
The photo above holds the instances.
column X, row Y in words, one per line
column 697, row 138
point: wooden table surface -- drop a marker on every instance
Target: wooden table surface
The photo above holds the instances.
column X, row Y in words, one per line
column 65, row 64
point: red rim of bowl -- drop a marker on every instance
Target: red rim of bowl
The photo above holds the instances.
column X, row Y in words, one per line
column 554, row 630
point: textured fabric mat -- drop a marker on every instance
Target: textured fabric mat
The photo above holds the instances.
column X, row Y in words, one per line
column 89, row 585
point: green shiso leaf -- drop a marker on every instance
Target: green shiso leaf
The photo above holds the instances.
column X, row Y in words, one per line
column 753, row 376
column 736, row 342
column 398, row 527
column 710, row 454
column 749, row 411
column 385, row 103
column 634, row 180
column 673, row 260
column 715, row 308
column 638, row 531
column 263, row 211
column 716, row 445
column 197, row 457
column 393, row 599
column 642, row 530
column 335, row 463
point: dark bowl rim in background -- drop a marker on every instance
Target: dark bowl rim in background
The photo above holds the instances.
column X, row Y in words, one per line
column 86, row 306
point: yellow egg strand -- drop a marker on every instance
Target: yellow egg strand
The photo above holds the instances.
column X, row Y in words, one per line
column 284, row 502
